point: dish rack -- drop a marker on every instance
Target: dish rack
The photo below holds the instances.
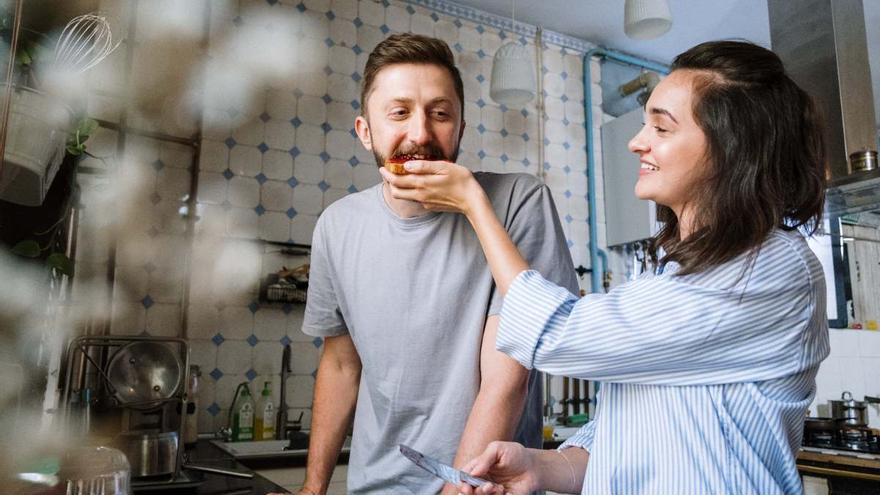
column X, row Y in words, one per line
column 86, row 353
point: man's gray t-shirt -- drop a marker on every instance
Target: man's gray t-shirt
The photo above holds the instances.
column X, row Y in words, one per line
column 414, row 295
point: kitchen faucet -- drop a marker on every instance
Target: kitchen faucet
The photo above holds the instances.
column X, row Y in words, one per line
column 282, row 425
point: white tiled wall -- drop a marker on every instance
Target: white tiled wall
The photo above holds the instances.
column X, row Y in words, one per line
column 272, row 158
column 853, row 365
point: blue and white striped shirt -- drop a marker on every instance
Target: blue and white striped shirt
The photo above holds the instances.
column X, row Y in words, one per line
column 706, row 378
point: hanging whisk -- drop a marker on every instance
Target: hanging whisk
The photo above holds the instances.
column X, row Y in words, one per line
column 85, row 41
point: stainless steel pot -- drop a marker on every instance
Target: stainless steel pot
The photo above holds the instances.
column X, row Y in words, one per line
column 150, row 454
column 850, row 412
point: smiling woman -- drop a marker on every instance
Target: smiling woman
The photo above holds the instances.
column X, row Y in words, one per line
column 726, row 336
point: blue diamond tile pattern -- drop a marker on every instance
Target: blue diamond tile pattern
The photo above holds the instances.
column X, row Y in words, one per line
column 326, row 127
column 504, row 157
column 566, row 169
column 563, row 98
column 481, row 128
column 291, row 213
column 254, row 306
column 261, row 178
column 504, row 133
column 503, row 107
column 296, row 122
column 263, row 147
column 481, row 103
column 481, row 53
column 147, row 301
column 565, row 121
column 294, row 152
column 526, row 162
column 458, row 47
column 252, row 340
column 480, row 78
column 260, row 210
column 385, row 29
column 525, row 136
column 155, row 198
column 301, row 7
column 216, row 374
column 317, row 342
column 329, row 42
column 481, row 154
column 355, row 77
column 330, row 15
column 524, row 112
column 213, row 409
column 357, row 22
column 323, row 186
column 287, row 308
column 230, row 142
column 351, row 189
column 353, row 161
column 285, row 340
column 435, row 17
column 457, row 23
column 480, row 29
column 568, row 218
column 567, row 194
column 328, row 71
column 265, row 117
column 353, row 133
column 158, row 165
column 228, row 175
column 563, row 75
column 218, row 339
column 250, row 374
column 357, row 50
column 410, row 9
column 238, row 21
column 315, row 374
column 327, row 99
column 566, row 145
column 325, row 157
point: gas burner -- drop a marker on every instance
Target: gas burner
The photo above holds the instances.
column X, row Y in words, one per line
column 825, row 433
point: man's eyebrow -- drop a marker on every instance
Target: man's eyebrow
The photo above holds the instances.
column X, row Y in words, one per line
column 662, row 111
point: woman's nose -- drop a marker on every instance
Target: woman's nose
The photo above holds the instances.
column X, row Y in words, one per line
column 638, row 144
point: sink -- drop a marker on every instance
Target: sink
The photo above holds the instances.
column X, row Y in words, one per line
column 270, row 449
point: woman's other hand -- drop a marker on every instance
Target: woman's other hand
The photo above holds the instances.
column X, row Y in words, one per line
column 509, row 465
column 437, row 185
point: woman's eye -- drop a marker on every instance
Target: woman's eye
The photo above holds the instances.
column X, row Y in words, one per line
column 659, row 129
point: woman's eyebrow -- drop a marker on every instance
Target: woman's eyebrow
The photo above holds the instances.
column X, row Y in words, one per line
column 662, row 111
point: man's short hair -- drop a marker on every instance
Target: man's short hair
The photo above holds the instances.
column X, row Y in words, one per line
column 408, row 48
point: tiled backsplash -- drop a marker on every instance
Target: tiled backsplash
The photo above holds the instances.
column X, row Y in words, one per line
column 853, row 365
column 271, row 162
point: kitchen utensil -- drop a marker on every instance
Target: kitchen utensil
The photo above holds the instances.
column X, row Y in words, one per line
column 850, row 412
column 85, row 41
column 150, row 454
column 863, row 161
column 445, row 472
column 95, row 471
column 144, row 372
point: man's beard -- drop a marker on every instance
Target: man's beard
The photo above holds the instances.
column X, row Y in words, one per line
column 430, row 150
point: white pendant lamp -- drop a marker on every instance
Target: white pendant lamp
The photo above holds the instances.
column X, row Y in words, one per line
column 513, row 78
column 513, row 75
column 646, row 19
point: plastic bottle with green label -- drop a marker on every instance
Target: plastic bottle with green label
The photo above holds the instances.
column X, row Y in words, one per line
column 243, row 416
column 264, row 423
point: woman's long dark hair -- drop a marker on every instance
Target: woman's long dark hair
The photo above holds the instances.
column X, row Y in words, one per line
column 765, row 164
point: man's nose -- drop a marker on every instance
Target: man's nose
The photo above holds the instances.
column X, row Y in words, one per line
column 419, row 131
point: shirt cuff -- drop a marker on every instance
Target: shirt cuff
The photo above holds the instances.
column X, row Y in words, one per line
column 528, row 311
column 582, row 439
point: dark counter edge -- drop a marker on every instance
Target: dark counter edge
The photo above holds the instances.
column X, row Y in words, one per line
column 205, row 453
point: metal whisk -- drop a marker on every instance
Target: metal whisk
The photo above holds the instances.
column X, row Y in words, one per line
column 85, row 41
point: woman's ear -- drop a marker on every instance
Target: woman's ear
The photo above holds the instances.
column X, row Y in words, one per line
column 362, row 128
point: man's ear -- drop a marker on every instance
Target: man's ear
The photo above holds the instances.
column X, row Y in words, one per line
column 362, row 128
column 461, row 131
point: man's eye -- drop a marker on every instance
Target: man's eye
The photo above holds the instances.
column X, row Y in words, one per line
column 398, row 113
column 441, row 115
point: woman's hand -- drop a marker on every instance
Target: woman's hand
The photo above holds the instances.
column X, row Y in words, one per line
column 437, row 185
column 509, row 465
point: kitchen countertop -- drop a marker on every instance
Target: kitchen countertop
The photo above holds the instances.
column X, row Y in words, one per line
column 206, row 454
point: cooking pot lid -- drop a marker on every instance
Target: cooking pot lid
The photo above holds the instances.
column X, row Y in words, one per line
column 144, row 372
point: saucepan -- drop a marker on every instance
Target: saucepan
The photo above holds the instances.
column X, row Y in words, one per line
column 850, row 412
